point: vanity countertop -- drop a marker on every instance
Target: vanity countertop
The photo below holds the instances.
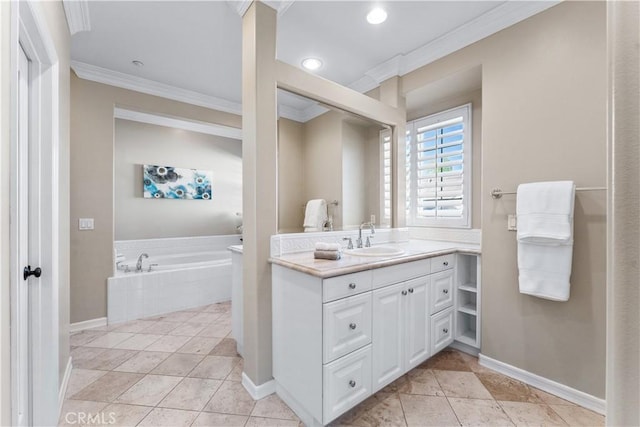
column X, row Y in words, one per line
column 413, row 250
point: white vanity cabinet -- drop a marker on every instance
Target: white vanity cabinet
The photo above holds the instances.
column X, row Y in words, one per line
column 338, row 340
column 401, row 329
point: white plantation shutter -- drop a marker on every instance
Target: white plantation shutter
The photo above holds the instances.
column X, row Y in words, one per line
column 385, row 209
column 439, row 169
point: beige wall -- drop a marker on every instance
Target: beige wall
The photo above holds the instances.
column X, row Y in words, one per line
column 92, row 154
column 354, row 174
column 475, row 98
column 53, row 14
column 291, row 176
column 138, row 218
column 322, row 159
column 331, row 157
column 543, row 118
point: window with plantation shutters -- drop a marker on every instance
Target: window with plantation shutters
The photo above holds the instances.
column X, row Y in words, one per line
column 385, row 209
column 439, row 169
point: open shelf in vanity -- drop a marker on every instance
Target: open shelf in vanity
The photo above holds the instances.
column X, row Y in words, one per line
column 468, row 299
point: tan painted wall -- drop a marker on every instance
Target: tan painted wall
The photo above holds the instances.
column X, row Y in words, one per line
column 291, row 176
column 54, row 17
column 623, row 269
column 543, row 105
column 322, row 159
column 475, row 98
column 92, row 153
column 139, row 218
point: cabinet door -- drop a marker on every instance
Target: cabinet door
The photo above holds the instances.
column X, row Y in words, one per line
column 441, row 330
column 388, row 334
column 417, row 322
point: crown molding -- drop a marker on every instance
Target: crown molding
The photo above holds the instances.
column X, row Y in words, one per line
column 150, row 87
column 240, row 6
column 178, row 123
column 77, row 12
column 497, row 19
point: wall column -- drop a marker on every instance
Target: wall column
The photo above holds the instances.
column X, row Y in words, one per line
column 623, row 215
column 259, row 178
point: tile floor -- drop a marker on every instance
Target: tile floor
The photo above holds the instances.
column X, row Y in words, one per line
column 181, row 369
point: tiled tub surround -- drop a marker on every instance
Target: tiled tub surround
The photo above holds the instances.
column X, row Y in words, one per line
column 181, row 369
column 184, row 279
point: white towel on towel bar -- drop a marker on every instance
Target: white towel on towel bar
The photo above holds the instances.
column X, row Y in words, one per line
column 545, row 238
column 315, row 215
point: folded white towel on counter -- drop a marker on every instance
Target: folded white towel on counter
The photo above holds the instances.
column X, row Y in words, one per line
column 315, row 215
column 330, row 255
column 545, row 212
column 321, row 246
column 545, row 238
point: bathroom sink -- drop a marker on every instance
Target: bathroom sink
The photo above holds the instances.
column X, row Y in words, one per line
column 375, row 251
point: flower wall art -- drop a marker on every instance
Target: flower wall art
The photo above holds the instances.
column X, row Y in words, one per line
column 167, row 182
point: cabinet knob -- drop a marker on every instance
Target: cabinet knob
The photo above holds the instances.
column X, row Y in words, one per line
column 352, row 285
column 352, row 383
column 404, row 292
column 410, row 290
column 446, row 263
column 445, row 330
column 445, row 291
column 352, row 325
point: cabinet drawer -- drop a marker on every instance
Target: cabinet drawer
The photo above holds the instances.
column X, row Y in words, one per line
column 400, row 272
column 347, row 285
column 347, row 326
column 441, row 330
column 347, row 382
column 441, row 290
column 441, row 263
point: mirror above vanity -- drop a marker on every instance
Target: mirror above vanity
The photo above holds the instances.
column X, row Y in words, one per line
column 326, row 153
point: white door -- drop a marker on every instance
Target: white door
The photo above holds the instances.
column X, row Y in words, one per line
column 34, row 219
column 417, row 322
column 21, row 356
column 388, row 334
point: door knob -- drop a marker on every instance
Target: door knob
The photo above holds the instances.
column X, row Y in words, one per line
column 352, row 325
column 410, row 290
column 352, row 383
column 404, row 292
column 29, row 272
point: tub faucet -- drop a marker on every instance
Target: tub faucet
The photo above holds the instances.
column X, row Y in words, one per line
column 139, row 263
column 373, row 231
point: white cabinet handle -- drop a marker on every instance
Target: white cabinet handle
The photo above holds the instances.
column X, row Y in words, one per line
column 352, row 285
column 352, row 383
column 352, row 325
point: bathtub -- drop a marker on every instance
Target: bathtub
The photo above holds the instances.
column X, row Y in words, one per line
column 179, row 274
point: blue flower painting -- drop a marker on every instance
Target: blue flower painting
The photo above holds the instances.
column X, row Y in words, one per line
column 167, row 182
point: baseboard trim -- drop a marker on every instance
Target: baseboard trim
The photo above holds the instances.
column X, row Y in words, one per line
column 257, row 392
column 465, row 348
column 571, row 394
column 63, row 386
column 88, row 324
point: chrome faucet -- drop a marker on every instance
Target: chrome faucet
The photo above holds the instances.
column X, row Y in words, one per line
column 139, row 263
column 373, row 231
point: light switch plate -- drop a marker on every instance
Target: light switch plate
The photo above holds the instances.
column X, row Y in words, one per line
column 512, row 223
column 85, row 224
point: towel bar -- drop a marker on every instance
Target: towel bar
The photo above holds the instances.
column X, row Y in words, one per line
column 497, row 193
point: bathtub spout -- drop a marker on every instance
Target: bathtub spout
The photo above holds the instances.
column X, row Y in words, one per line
column 139, row 263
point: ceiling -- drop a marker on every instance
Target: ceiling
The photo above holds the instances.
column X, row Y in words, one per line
column 191, row 50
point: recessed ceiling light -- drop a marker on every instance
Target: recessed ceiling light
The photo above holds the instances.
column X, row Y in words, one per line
column 137, row 63
column 376, row 16
column 312, row 64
